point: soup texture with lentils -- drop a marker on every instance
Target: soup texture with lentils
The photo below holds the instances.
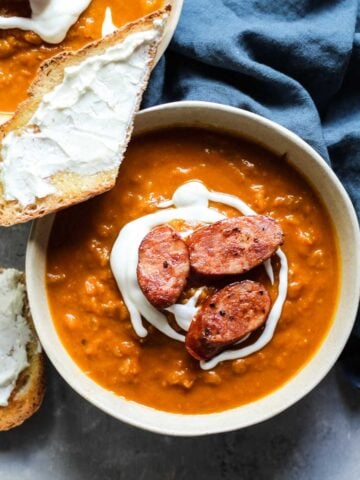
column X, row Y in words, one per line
column 93, row 322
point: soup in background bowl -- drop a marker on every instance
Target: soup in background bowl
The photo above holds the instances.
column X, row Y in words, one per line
column 23, row 51
column 153, row 382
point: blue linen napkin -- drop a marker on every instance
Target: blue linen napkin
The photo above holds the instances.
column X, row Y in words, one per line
column 296, row 62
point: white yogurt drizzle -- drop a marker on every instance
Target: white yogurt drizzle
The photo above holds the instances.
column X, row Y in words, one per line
column 108, row 26
column 50, row 19
column 184, row 313
column 191, row 202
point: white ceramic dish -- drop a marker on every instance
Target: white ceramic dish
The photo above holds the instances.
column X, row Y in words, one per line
column 177, row 6
column 307, row 161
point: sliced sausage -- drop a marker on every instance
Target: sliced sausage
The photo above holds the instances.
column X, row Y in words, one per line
column 226, row 317
column 163, row 266
column 234, row 246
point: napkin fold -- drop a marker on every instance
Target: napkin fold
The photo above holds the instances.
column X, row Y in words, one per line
column 296, row 62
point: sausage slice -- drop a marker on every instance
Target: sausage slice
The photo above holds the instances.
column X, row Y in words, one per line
column 234, row 246
column 226, row 317
column 163, row 266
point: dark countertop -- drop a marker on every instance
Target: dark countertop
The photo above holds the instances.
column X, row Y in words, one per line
column 69, row 439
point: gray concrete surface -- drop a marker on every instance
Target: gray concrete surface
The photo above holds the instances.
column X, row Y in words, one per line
column 69, row 439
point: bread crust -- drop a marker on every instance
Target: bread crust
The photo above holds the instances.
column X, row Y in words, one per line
column 29, row 390
column 70, row 188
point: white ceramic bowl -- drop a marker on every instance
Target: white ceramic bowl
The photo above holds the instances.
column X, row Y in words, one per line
column 170, row 27
column 307, row 161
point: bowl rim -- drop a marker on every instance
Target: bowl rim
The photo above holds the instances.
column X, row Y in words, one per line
column 228, row 420
column 176, row 9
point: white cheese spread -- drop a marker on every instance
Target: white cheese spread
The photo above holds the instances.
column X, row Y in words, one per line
column 14, row 333
column 191, row 202
column 81, row 126
column 50, row 19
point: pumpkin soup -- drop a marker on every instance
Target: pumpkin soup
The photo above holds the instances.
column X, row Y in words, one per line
column 146, row 361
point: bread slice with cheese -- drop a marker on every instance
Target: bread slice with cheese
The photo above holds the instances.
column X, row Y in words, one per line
column 40, row 137
column 21, row 393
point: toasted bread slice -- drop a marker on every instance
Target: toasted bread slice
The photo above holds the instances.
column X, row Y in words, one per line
column 29, row 389
column 69, row 187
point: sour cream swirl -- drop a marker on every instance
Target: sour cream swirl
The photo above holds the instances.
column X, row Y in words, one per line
column 190, row 202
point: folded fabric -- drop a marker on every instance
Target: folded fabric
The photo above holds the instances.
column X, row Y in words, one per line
column 296, row 62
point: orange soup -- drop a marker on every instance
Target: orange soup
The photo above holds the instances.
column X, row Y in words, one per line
column 21, row 52
column 93, row 322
